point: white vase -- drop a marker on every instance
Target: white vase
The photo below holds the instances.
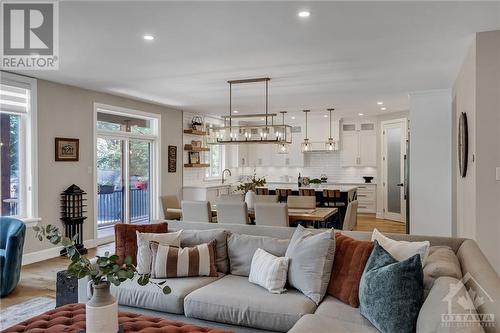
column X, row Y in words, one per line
column 101, row 311
column 250, row 199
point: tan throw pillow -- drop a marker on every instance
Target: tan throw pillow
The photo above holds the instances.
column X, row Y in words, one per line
column 172, row 262
column 144, row 254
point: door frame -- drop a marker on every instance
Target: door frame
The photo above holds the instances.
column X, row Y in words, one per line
column 387, row 215
column 155, row 174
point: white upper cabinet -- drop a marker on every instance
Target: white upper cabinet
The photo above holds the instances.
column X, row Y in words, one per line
column 359, row 143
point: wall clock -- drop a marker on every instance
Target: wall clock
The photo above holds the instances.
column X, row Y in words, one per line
column 463, row 144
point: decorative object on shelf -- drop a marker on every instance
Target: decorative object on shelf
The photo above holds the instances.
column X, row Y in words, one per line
column 67, row 149
column 283, row 146
column 197, row 123
column 73, row 204
column 306, row 145
column 368, row 179
column 331, row 144
column 196, row 143
column 463, row 144
column 102, row 309
column 267, row 133
column 194, row 157
column 324, row 178
column 172, row 158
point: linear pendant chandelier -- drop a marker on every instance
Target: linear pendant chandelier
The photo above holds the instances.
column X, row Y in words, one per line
column 268, row 133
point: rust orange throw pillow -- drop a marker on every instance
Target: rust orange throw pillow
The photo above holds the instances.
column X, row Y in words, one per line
column 126, row 238
column 350, row 260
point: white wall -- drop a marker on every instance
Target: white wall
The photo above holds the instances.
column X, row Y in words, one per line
column 431, row 163
column 477, row 93
column 67, row 111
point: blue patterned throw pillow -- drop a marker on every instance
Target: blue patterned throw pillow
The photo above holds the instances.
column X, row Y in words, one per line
column 391, row 291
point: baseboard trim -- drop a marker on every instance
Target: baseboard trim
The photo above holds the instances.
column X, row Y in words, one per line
column 379, row 215
column 53, row 252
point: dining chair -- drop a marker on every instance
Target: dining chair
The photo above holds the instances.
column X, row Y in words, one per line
column 307, row 192
column 283, row 193
column 272, row 214
column 351, row 216
column 232, row 212
column 196, row 211
column 171, row 201
column 266, row 198
column 298, row 201
column 262, row 191
column 238, row 197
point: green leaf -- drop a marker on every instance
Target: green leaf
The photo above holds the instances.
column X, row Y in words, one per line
column 66, row 242
column 161, row 283
column 113, row 258
column 166, row 290
column 128, row 260
column 143, row 280
column 36, row 228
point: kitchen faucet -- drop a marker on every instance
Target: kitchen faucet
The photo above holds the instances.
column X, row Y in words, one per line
column 223, row 172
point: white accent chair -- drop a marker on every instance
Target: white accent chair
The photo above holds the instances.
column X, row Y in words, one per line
column 239, row 197
column 171, row 201
column 259, row 198
column 196, row 211
column 299, row 201
column 351, row 216
column 273, row 214
column 232, row 212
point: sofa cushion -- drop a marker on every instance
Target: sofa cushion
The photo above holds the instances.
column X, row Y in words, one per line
column 234, row 300
column 333, row 308
column 401, row 250
column 126, row 238
column 313, row 323
column 144, row 254
column 269, row 271
column 391, row 291
column 151, row 297
column 241, row 249
column 442, row 261
column 350, row 260
column 311, row 260
column 190, row 238
column 443, row 298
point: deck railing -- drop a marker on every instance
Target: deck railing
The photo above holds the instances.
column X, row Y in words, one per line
column 110, row 207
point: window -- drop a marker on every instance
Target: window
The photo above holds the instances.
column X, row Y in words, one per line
column 18, row 146
column 215, row 158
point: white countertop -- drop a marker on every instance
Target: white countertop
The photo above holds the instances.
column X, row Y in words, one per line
column 208, row 185
column 331, row 183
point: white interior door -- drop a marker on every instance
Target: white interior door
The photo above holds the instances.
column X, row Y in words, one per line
column 394, row 135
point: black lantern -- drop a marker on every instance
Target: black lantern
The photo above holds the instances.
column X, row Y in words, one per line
column 73, row 203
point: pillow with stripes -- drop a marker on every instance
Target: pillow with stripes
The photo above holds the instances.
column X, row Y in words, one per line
column 269, row 271
column 172, row 261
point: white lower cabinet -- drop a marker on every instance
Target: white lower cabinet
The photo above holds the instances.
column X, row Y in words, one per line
column 367, row 198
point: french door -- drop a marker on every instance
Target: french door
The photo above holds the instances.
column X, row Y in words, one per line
column 394, row 134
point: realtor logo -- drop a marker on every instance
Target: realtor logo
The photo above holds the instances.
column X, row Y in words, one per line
column 462, row 305
column 30, row 35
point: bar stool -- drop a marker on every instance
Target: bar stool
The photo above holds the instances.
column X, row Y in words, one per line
column 262, row 191
column 333, row 198
column 283, row 194
column 308, row 192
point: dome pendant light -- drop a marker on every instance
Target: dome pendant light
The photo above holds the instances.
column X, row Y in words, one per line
column 330, row 144
column 283, row 146
column 306, row 145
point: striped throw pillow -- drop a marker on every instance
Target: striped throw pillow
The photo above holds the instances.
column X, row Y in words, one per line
column 269, row 271
column 172, row 262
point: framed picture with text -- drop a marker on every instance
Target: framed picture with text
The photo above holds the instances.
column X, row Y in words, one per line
column 67, row 149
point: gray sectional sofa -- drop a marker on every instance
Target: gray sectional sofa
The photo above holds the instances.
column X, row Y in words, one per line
column 230, row 302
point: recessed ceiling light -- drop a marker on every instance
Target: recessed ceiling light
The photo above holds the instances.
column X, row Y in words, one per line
column 326, row 116
column 360, row 114
column 304, row 13
column 148, row 37
column 383, row 108
column 235, row 111
column 293, row 117
column 380, row 103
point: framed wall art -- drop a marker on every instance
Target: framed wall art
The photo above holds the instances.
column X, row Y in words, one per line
column 67, row 149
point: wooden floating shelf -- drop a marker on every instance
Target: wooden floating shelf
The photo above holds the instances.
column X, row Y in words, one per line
column 194, row 132
column 197, row 165
column 191, row 148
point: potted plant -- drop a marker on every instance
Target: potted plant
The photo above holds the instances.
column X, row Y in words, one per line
column 315, row 182
column 102, row 308
column 248, row 187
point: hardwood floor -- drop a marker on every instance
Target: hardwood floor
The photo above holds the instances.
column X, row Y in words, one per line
column 39, row 279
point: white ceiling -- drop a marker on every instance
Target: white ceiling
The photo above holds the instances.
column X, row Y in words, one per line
column 346, row 54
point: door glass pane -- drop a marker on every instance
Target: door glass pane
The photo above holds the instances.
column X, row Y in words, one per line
column 10, row 159
column 110, row 185
column 393, row 136
column 139, row 166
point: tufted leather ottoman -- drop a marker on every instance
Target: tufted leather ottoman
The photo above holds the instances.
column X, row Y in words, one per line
column 71, row 318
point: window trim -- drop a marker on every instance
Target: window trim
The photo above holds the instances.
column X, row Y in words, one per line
column 29, row 156
column 156, row 164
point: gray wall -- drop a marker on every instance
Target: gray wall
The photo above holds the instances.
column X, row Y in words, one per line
column 67, row 111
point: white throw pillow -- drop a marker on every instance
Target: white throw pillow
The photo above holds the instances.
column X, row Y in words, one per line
column 144, row 253
column 402, row 250
column 269, row 271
